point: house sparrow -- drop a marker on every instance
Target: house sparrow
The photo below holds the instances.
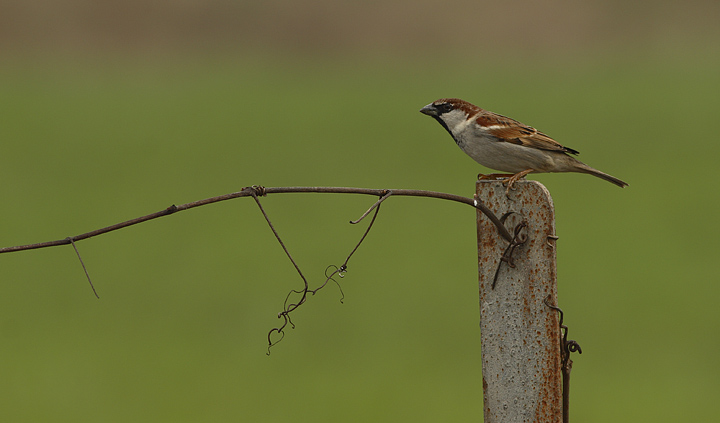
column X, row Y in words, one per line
column 505, row 144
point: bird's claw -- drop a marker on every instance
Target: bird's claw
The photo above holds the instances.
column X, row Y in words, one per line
column 514, row 178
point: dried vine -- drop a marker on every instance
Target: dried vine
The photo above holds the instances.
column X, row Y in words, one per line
column 255, row 192
column 249, row 191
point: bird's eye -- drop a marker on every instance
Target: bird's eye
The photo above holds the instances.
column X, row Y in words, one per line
column 444, row 107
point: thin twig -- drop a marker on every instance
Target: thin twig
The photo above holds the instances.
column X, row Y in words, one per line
column 285, row 314
column 372, row 221
column 282, row 244
column 518, row 239
column 248, row 191
column 289, row 308
column 72, row 241
column 377, row 204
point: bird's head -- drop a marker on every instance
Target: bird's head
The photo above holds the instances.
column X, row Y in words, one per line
column 452, row 113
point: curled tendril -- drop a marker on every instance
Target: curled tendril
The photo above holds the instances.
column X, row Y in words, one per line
column 329, row 277
column 566, row 346
column 289, row 307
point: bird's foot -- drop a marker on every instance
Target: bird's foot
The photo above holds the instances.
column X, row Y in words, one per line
column 514, row 178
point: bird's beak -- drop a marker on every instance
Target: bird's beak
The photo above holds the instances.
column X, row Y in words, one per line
column 429, row 110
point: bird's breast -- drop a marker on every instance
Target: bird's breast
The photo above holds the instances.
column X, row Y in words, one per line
column 504, row 156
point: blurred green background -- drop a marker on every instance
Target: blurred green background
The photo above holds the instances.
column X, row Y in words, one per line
column 112, row 111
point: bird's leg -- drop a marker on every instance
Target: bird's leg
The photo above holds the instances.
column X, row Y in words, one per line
column 493, row 176
column 514, row 178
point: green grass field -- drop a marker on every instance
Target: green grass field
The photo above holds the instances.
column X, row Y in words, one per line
column 179, row 333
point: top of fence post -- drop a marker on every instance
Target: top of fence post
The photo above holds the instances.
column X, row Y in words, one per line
column 520, row 334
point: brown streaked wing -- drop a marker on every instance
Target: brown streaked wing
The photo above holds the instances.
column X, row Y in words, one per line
column 515, row 132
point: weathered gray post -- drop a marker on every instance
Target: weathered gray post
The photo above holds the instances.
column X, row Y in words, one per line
column 520, row 334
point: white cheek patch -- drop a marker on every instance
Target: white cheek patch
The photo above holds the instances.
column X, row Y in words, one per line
column 460, row 127
column 457, row 121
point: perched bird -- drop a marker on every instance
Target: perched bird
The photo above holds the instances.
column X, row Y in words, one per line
column 505, row 144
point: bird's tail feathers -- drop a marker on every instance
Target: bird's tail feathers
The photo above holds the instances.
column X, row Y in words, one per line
column 603, row 175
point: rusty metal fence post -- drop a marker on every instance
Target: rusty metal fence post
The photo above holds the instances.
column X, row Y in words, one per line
column 520, row 334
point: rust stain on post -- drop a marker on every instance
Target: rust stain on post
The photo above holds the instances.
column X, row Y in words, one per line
column 520, row 334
